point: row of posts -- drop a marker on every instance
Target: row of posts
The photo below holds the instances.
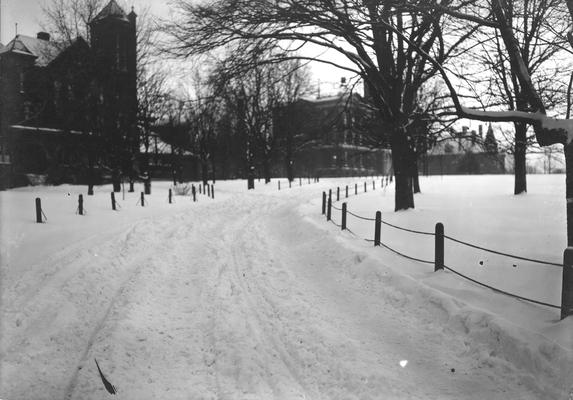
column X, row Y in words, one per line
column 567, row 279
column 316, row 180
column 208, row 189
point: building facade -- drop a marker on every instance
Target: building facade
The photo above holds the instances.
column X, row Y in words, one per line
column 68, row 113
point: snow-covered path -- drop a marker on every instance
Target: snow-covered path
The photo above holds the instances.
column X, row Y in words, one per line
column 242, row 298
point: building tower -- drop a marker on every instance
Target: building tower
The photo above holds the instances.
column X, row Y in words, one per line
column 113, row 43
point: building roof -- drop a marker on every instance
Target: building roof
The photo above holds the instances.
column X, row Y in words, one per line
column 44, row 50
column 111, row 10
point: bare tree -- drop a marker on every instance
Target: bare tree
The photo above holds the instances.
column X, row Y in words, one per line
column 362, row 32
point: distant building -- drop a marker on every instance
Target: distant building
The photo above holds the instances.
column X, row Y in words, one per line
column 64, row 108
column 330, row 136
column 463, row 153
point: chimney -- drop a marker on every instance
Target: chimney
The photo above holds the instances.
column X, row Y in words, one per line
column 43, row 36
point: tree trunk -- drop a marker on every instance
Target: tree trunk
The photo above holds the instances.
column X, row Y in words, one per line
column 569, row 191
column 116, row 180
column 415, row 176
column 204, row 172
column 401, row 159
column 520, row 171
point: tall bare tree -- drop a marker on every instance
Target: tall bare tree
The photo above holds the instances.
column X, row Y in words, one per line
column 362, row 32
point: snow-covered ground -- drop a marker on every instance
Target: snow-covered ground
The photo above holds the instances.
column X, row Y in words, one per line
column 253, row 295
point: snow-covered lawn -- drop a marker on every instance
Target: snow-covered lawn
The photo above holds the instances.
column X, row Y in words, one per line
column 253, row 295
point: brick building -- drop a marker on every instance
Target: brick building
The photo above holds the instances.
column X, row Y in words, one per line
column 69, row 112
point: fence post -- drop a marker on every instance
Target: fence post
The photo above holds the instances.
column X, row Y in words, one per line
column 323, row 203
column 346, row 191
column 309, row 180
column 364, row 187
column 373, row 185
column 39, row 210
column 377, row 226
column 81, row 204
column 299, row 181
column 567, row 288
column 213, row 192
column 329, row 206
column 439, row 247
column 208, row 190
column 90, row 190
column 142, row 199
column 279, row 185
column 338, row 194
column 170, row 196
column 194, row 192
column 343, row 216
column 113, row 206
column 356, row 188
column 200, row 188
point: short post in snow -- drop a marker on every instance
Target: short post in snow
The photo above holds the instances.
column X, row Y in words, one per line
column 147, row 186
column 346, row 191
column 364, row 187
column 113, row 204
column 194, row 192
column 300, row 181
column 213, row 192
column 373, row 185
column 329, row 206
column 309, row 180
column 439, row 247
column 81, row 204
column 200, row 190
column 323, row 203
column 289, row 184
column 39, row 219
column 356, row 188
column 208, row 190
column 343, row 225
column 377, row 226
column 338, row 194
column 567, row 290
column 142, row 199
column 279, row 185
column 90, row 190
column 170, row 196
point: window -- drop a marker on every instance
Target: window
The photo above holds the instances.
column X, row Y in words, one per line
column 22, row 78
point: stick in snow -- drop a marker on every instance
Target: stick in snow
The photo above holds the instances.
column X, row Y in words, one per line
column 109, row 387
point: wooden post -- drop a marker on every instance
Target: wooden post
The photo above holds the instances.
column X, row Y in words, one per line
column 356, row 188
column 439, row 247
column 279, row 185
column 289, row 184
column 200, row 188
column 346, row 191
column 147, row 186
column 142, row 199
column 39, row 219
column 193, row 192
column 113, row 206
column 300, row 181
column 373, row 185
column 343, row 216
column 567, row 288
column 377, row 226
column 323, row 203
column 364, row 187
column 170, row 196
column 309, row 180
column 81, row 204
column 208, row 190
column 90, row 190
column 212, row 192
column 329, row 206
column 338, row 194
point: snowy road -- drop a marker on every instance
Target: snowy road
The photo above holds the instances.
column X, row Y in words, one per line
column 243, row 298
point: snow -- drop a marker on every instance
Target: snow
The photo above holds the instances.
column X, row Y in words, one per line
column 253, row 295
